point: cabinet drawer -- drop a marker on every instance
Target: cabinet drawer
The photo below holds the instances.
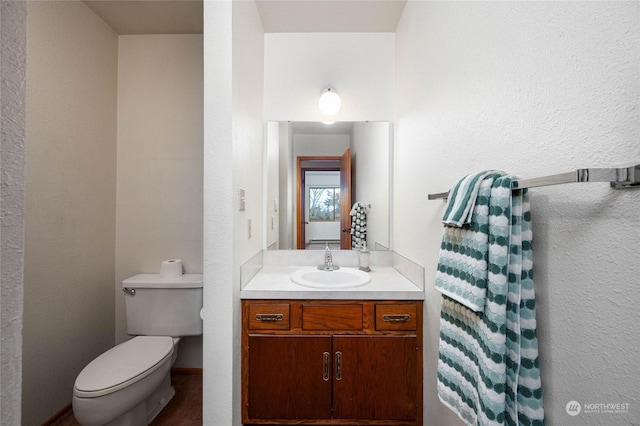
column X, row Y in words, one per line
column 396, row 317
column 332, row 317
column 269, row 316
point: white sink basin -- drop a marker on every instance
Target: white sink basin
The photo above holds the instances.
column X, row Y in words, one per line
column 341, row 278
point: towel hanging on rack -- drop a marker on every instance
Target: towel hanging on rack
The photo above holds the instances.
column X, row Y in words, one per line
column 623, row 177
column 488, row 371
column 462, row 268
column 358, row 225
column 463, row 198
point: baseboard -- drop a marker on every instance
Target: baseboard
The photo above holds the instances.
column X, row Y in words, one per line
column 57, row 415
column 187, row 370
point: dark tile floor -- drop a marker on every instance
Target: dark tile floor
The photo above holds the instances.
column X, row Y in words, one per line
column 184, row 409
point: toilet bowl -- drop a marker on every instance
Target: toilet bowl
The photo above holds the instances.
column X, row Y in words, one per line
column 131, row 383
column 127, row 385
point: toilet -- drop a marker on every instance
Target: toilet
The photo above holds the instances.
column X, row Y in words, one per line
column 130, row 384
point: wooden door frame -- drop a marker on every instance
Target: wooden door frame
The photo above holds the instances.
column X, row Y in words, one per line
column 346, row 186
column 300, row 189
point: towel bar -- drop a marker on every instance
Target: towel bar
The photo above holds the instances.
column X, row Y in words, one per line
column 619, row 178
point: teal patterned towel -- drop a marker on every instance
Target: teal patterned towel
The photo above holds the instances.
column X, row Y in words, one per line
column 488, row 370
column 462, row 269
column 462, row 198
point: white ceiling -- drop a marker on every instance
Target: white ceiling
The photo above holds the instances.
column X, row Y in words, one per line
column 150, row 16
column 296, row 16
column 185, row 16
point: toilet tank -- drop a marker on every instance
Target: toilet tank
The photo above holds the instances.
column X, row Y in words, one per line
column 157, row 306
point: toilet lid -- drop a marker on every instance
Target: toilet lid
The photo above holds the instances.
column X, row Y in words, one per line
column 123, row 365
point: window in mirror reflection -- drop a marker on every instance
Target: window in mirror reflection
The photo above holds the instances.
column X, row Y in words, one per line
column 324, row 204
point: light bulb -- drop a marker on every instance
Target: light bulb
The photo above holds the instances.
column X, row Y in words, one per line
column 329, row 102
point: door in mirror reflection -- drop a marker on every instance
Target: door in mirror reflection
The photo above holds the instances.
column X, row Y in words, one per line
column 324, row 200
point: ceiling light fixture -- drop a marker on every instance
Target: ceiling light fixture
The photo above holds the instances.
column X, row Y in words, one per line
column 329, row 102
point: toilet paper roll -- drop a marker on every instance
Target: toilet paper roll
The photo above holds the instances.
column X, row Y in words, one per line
column 171, row 268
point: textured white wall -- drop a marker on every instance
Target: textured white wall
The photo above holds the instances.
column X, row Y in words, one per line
column 532, row 88
column 218, row 347
column 248, row 158
column 160, row 145
column 233, row 155
column 13, row 40
column 299, row 66
column 70, row 214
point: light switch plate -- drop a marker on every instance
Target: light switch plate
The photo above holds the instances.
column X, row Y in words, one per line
column 242, row 200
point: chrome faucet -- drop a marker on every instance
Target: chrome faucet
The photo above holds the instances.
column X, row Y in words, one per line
column 328, row 260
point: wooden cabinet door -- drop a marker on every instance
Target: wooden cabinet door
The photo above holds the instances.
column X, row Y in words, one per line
column 375, row 377
column 289, row 377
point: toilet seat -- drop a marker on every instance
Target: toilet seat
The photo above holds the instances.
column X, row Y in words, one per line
column 123, row 365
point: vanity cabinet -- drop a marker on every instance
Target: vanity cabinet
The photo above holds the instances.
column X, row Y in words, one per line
column 332, row 362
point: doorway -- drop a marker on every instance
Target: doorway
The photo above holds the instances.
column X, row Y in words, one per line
column 323, row 201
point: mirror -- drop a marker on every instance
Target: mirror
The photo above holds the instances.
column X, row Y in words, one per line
column 310, row 193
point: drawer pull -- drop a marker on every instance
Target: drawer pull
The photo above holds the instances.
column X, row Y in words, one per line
column 269, row 317
column 396, row 318
column 325, row 366
column 338, row 365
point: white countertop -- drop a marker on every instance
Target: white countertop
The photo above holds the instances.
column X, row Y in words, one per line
column 273, row 282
